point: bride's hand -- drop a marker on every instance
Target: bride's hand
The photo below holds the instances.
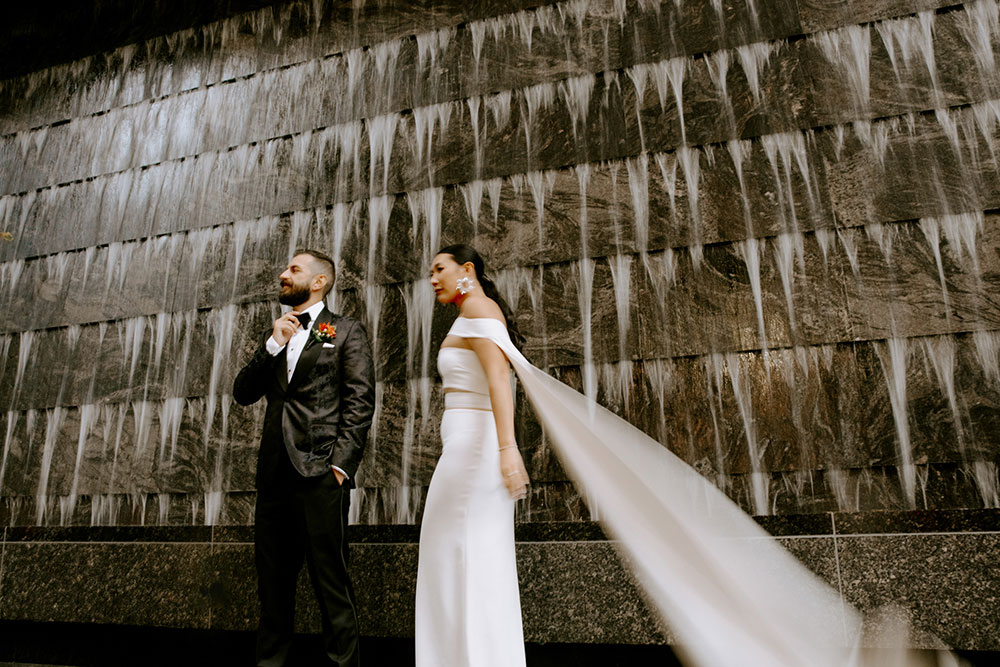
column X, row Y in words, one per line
column 515, row 476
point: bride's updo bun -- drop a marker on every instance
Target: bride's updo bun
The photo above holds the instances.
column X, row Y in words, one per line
column 463, row 254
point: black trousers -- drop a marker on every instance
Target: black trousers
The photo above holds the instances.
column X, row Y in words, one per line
column 304, row 518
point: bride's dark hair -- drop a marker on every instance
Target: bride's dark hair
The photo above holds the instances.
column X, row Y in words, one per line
column 462, row 254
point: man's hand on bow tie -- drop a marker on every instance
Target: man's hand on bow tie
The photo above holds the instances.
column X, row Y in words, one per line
column 284, row 327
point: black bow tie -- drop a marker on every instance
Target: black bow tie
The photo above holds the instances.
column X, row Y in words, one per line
column 303, row 319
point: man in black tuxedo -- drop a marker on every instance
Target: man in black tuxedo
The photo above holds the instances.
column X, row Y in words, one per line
column 315, row 368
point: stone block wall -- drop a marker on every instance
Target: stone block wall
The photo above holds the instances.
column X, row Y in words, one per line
column 940, row 566
column 766, row 233
column 763, row 232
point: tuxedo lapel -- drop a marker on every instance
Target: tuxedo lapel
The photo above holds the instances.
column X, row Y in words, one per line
column 310, row 353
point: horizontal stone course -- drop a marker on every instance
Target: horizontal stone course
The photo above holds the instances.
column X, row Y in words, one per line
column 830, row 305
column 612, row 132
column 663, row 31
column 822, row 524
column 223, row 51
column 825, row 14
column 877, row 523
column 647, row 30
column 179, row 271
column 551, row 499
column 377, row 81
column 697, row 416
column 559, row 605
column 828, row 198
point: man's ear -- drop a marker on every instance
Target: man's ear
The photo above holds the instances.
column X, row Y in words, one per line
column 321, row 278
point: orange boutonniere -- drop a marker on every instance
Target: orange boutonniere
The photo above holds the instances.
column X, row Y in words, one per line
column 324, row 332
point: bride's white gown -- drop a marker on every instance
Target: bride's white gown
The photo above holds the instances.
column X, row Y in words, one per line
column 468, row 608
column 730, row 593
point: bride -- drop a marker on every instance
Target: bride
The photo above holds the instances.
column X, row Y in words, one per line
column 730, row 593
column 468, row 609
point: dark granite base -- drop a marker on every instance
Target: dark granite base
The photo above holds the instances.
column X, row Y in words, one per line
column 939, row 567
column 922, row 573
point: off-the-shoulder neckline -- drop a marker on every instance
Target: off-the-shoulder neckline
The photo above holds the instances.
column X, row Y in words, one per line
column 474, row 319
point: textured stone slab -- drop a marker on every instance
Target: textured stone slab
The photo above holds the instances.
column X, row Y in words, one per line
column 131, row 584
column 602, row 39
column 791, row 526
column 567, row 590
column 132, row 460
column 175, row 535
column 233, row 587
column 823, row 14
column 949, row 583
column 622, row 46
column 881, row 523
column 383, row 575
column 552, row 498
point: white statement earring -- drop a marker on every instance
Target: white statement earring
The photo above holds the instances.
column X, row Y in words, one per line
column 464, row 285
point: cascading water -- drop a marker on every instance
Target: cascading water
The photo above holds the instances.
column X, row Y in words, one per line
column 149, row 211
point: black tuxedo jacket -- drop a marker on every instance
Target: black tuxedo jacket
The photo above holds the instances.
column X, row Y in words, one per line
column 321, row 416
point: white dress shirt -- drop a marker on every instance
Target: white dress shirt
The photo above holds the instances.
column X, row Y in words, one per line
column 295, row 345
column 298, row 340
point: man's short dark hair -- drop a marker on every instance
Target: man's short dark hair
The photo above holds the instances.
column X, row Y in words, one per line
column 324, row 265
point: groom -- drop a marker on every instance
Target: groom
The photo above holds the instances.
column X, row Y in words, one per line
column 315, row 369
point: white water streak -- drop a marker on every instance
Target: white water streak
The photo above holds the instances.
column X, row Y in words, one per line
column 893, row 357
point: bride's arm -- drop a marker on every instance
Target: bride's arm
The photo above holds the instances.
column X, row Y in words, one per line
column 498, row 376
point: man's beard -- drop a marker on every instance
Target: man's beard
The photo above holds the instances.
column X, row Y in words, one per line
column 293, row 295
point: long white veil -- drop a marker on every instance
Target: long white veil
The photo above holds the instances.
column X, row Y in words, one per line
column 729, row 592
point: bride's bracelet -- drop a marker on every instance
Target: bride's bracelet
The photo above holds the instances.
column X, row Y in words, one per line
column 508, row 447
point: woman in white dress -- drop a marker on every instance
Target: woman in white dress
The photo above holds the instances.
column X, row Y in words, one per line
column 731, row 594
column 468, row 610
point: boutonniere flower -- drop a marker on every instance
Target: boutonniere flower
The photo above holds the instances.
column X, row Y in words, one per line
column 324, row 332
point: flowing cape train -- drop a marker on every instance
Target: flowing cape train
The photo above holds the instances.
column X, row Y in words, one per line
column 729, row 592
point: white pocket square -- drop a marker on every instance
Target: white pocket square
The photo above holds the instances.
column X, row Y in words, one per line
column 329, row 345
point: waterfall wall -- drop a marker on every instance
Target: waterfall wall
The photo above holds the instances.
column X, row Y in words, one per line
column 766, row 233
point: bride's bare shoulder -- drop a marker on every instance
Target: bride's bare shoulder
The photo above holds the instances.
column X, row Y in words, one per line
column 483, row 307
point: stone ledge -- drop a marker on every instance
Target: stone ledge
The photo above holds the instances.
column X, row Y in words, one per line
column 820, row 524
column 941, row 566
